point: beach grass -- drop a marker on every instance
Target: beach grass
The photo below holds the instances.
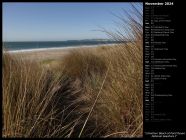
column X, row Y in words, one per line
column 47, row 61
column 90, row 92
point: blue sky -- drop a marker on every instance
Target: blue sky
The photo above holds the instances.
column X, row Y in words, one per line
column 58, row 21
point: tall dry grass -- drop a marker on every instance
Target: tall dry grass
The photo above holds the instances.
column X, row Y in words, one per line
column 33, row 101
column 96, row 92
column 112, row 82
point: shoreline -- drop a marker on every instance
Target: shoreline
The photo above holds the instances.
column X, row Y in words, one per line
column 54, row 48
column 50, row 53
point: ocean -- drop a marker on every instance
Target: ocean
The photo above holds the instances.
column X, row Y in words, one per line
column 43, row 45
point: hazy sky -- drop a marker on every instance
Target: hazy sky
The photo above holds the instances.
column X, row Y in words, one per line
column 58, row 21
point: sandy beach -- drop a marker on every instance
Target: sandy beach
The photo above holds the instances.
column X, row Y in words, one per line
column 50, row 53
column 39, row 55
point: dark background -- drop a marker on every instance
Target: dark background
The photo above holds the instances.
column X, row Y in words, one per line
column 174, row 106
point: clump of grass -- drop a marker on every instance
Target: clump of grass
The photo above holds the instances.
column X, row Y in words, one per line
column 118, row 108
column 82, row 63
column 31, row 101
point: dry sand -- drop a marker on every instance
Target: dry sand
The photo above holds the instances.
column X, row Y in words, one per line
column 48, row 54
column 44, row 54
